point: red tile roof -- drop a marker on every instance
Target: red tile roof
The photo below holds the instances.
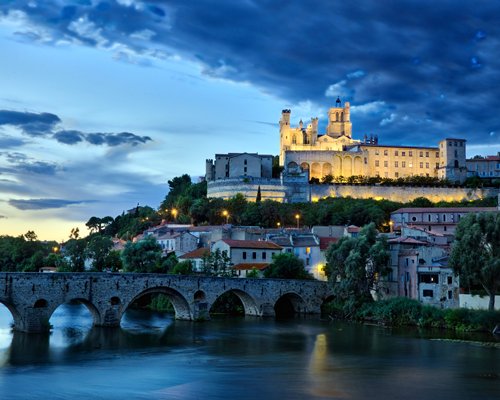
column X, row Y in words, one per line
column 251, row 244
column 196, row 253
column 250, row 266
column 406, row 240
column 324, row 242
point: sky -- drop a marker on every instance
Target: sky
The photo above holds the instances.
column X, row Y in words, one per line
column 102, row 102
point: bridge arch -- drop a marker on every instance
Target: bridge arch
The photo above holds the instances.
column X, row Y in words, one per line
column 16, row 316
column 94, row 312
column 249, row 304
column 179, row 302
column 289, row 304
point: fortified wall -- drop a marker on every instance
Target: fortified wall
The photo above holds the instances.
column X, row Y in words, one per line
column 402, row 194
column 293, row 189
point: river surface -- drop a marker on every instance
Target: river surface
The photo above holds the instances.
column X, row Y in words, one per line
column 153, row 356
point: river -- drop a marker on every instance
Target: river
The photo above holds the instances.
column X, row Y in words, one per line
column 153, row 356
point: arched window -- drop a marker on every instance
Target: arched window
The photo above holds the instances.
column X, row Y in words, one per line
column 342, row 116
column 336, row 116
column 294, row 139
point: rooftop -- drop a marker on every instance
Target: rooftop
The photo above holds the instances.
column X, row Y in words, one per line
column 251, row 244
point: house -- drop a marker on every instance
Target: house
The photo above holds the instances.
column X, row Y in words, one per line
column 441, row 220
column 419, row 269
column 196, row 257
column 247, row 254
column 306, row 246
column 178, row 242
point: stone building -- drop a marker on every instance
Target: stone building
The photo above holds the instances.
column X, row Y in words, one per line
column 484, row 167
column 336, row 153
column 440, row 220
column 246, row 255
column 238, row 165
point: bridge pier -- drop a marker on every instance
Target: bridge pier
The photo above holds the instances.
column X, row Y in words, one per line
column 201, row 311
column 35, row 320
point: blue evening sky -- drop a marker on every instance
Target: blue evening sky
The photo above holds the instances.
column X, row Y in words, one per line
column 102, row 102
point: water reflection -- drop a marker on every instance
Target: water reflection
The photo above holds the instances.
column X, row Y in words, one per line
column 153, row 356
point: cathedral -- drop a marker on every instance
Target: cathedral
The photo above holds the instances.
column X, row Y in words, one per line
column 336, row 153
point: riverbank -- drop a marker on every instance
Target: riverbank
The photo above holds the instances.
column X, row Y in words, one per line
column 401, row 311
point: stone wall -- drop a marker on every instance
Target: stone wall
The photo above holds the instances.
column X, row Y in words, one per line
column 270, row 189
column 400, row 193
column 33, row 297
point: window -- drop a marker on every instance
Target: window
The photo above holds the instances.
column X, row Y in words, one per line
column 245, row 170
column 386, row 163
column 396, row 174
column 428, row 293
column 450, row 280
column 403, row 153
column 254, row 255
column 421, row 165
column 410, row 153
column 386, row 153
column 449, row 143
column 410, row 164
column 245, row 162
column 437, row 165
column 264, row 255
column 377, row 152
column 456, row 154
column 366, row 160
column 421, row 154
column 427, row 154
column 403, row 164
column 450, row 294
column 396, row 153
column 437, row 154
column 308, row 250
column 427, row 165
column 244, row 255
column 377, row 163
column 396, row 164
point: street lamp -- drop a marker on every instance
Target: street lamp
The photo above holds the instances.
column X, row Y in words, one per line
column 225, row 214
column 174, row 213
column 297, row 217
column 391, row 223
column 278, row 224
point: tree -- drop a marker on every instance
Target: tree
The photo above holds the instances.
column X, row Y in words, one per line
column 475, row 253
column 354, row 265
column 98, row 249
column 142, row 256
column 95, row 224
column 74, row 249
column 183, row 268
column 113, row 261
column 31, row 236
column 287, row 266
column 217, row 263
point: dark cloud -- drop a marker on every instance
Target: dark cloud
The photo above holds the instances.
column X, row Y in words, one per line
column 21, row 163
column 41, row 204
column 431, row 65
column 116, row 139
column 32, row 124
column 68, row 137
column 43, row 124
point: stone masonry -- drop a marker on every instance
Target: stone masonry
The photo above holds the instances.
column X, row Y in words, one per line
column 33, row 297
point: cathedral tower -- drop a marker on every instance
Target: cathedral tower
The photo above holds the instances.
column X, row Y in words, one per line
column 339, row 120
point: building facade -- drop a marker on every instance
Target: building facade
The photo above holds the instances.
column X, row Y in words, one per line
column 337, row 154
column 484, row 167
column 239, row 165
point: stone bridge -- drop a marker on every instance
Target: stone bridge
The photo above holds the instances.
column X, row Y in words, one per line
column 33, row 297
